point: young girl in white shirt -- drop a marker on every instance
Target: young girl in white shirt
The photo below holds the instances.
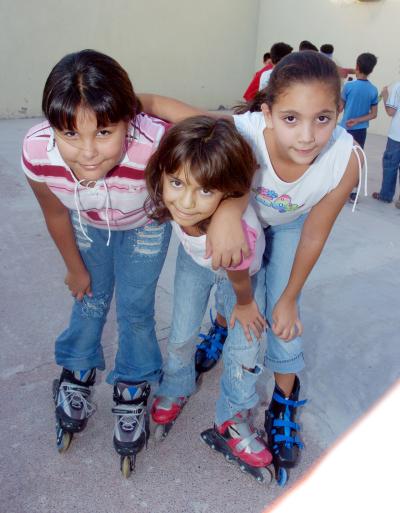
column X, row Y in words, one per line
column 199, row 164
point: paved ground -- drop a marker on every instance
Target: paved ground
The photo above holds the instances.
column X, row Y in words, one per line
column 352, row 350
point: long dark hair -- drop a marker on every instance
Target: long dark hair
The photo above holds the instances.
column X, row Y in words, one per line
column 93, row 80
column 305, row 66
column 211, row 150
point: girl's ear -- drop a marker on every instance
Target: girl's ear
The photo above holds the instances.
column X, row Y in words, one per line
column 267, row 115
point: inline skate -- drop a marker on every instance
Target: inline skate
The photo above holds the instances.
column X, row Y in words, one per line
column 131, row 431
column 71, row 393
column 241, row 444
column 210, row 349
column 281, row 430
column 164, row 412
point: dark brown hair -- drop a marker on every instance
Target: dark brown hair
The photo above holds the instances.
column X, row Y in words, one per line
column 93, row 80
column 297, row 67
column 211, row 150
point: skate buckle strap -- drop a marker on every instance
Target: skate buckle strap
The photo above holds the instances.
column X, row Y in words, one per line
column 243, row 444
column 212, row 344
column 288, row 402
column 77, row 397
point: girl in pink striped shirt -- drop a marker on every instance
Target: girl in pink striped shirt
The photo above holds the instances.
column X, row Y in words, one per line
column 85, row 165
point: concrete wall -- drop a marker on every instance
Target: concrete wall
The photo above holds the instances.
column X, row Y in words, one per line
column 198, row 51
column 352, row 29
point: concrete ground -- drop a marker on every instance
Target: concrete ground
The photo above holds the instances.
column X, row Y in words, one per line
column 351, row 317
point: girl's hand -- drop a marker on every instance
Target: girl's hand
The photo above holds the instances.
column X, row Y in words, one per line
column 79, row 284
column 250, row 318
column 285, row 320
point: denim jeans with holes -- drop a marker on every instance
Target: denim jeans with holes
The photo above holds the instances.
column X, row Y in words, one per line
column 192, row 288
column 132, row 264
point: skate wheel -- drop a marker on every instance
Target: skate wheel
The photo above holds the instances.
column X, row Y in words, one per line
column 126, row 466
column 229, row 458
column 159, row 433
column 265, row 476
column 65, row 442
column 282, row 476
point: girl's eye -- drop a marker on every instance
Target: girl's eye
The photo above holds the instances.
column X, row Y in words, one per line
column 69, row 133
column 206, row 192
column 290, row 119
column 104, row 132
column 175, row 183
column 323, row 119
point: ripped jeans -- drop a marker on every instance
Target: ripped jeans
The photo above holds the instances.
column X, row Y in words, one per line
column 192, row 288
column 132, row 263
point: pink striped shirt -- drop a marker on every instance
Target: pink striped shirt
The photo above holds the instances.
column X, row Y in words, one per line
column 124, row 185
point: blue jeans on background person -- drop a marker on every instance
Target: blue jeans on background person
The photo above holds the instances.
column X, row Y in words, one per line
column 391, row 165
column 359, row 135
column 192, row 287
column 132, row 263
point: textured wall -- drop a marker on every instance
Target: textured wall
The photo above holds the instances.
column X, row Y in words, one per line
column 202, row 52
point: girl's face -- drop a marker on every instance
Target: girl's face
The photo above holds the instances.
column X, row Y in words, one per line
column 303, row 119
column 91, row 151
column 188, row 202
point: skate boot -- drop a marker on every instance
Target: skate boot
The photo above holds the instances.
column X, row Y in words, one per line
column 281, row 430
column 73, row 408
column 131, row 430
column 209, row 351
column 164, row 412
column 241, row 444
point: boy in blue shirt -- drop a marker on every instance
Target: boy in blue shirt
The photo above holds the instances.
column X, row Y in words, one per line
column 360, row 101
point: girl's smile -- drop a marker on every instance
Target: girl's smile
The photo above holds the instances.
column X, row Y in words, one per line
column 91, row 151
column 188, row 202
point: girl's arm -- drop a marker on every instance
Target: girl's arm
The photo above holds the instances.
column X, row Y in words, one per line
column 285, row 321
column 246, row 310
column 173, row 110
column 226, row 242
column 60, row 228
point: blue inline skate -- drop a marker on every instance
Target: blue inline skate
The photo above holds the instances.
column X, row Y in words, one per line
column 210, row 349
column 281, row 430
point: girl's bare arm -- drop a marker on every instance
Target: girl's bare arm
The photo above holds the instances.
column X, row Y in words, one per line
column 60, row 228
column 316, row 230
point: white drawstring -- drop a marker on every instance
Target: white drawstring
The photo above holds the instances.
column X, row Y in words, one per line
column 77, row 184
column 76, row 195
column 107, row 207
column 360, row 168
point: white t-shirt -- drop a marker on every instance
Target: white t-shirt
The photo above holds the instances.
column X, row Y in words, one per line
column 278, row 202
column 264, row 79
column 393, row 101
column 196, row 246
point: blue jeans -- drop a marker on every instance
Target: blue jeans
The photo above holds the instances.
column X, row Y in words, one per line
column 391, row 166
column 359, row 135
column 192, row 288
column 132, row 262
column 281, row 243
column 238, row 385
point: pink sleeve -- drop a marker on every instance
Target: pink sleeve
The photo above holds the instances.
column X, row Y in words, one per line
column 251, row 237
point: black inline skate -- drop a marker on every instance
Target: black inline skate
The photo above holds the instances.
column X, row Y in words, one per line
column 71, row 395
column 240, row 443
column 131, row 430
column 281, row 430
column 210, row 349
